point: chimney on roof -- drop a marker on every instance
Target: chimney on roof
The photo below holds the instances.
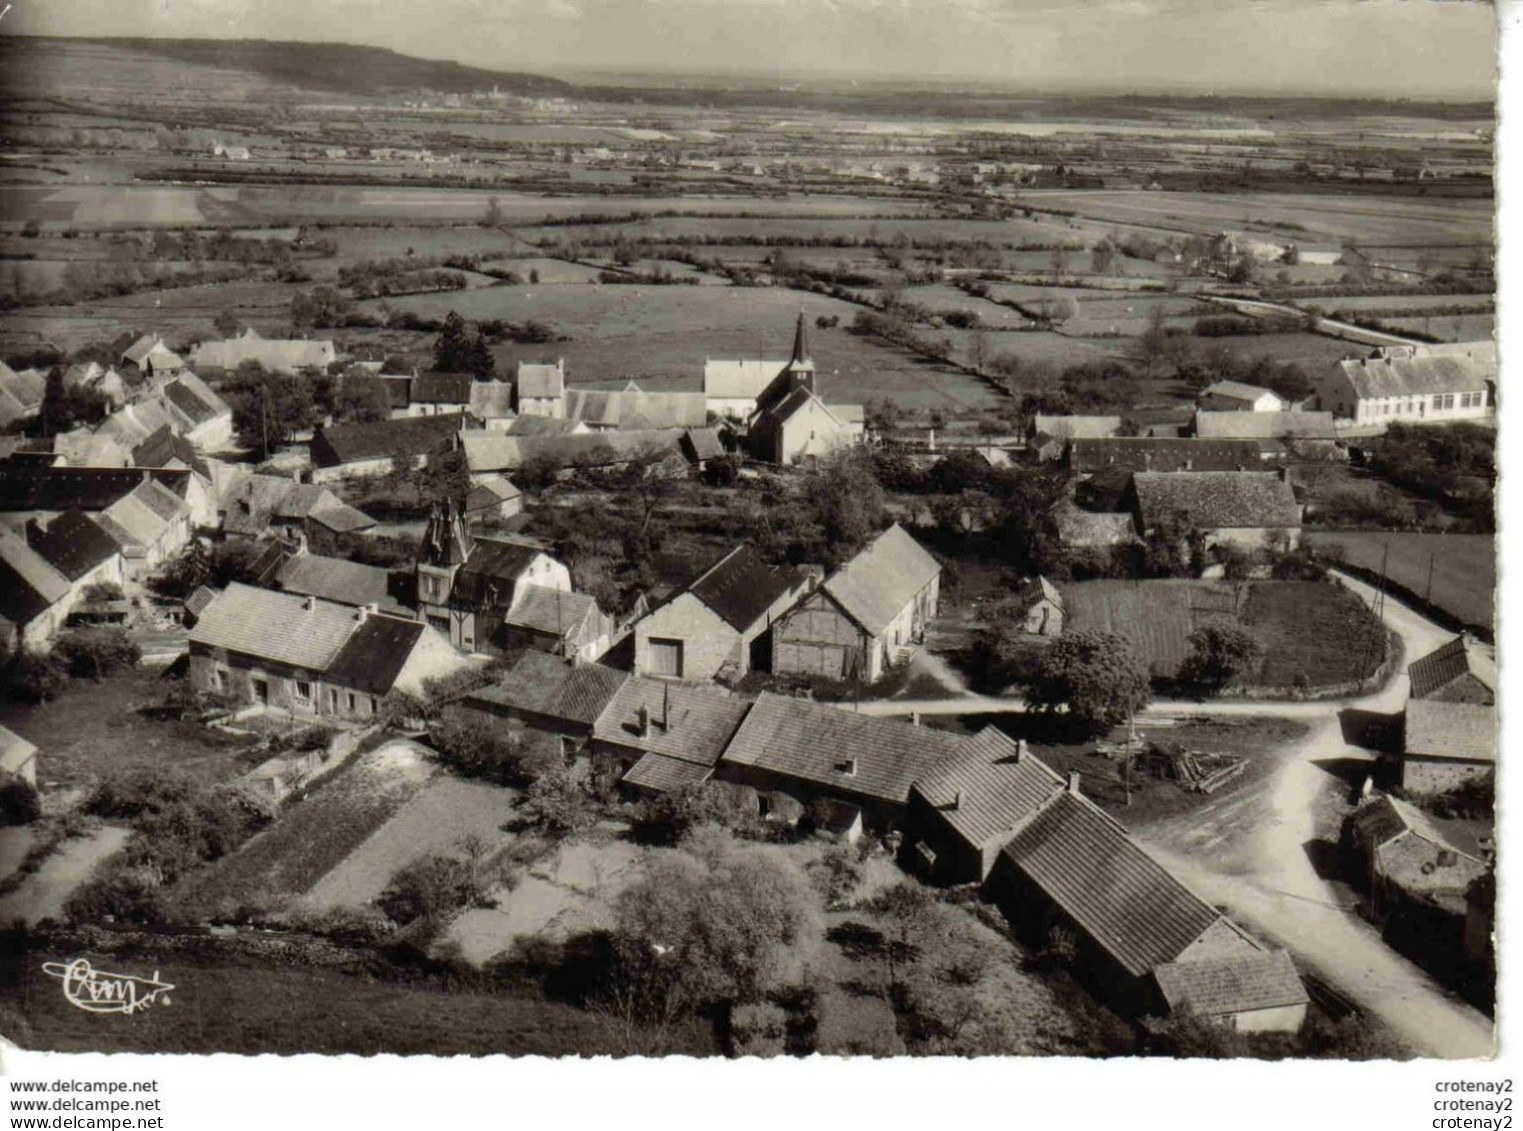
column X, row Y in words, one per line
column 1283, row 473
column 957, row 800
column 914, row 718
column 666, row 706
column 1189, row 463
column 642, row 717
column 309, row 603
column 1020, row 750
column 849, row 767
column 1073, row 782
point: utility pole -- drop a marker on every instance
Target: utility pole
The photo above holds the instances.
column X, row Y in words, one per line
column 1428, row 593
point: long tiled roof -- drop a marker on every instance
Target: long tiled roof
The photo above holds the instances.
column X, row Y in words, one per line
column 1447, row 663
column 336, row 579
column 1075, row 427
column 28, row 488
column 692, row 724
column 1264, row 425
column 281, row 355
column 1145, row 453
column 533, row 425
column 634, row 410
column 814, row 742
column 554, row 612
column 541, row 379
column 1413, row 376
column 737, row 380
column 195, row 399
column 884, row 577
column 495, row 451
column 1122, row 898
column 546, row 685
column 1214, row 500
column 1231, row 985
column 410, row 436
column 1462, row 732
column 492, row 400
column 165, row 446
column 74, row 545
column 442, row 388
column 275, row 626
column 990, row 788
column 375, row 654
column 28, row 584
column 1238, row 390
column 741, row 586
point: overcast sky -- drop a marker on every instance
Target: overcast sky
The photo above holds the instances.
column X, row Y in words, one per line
column 1411, row 47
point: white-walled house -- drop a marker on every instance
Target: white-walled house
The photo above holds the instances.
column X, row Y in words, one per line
column 1236, row 396
column 541, row 388
column 1405, row 390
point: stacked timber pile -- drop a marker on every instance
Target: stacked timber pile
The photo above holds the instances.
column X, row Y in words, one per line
column 1194, row 770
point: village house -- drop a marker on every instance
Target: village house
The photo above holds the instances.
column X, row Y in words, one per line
column 166, row 449
column 18, row 757
column 90, row 376
column 964, row 810
column 79, row 448
column 309, row 656
column 275, row 504
column 185, row 404
column 700, row 445
column 545, row 427
column 338, row 580
column 288, row 356
column 541, row 388
column 548, row 694
column 1404, row 857
column 43, row 492
column 1094, row 530
column 491, row 454
column 467, row 586
column 863, row 619
column 730, row 388
column 20, row 394
column 1237, row 396
column 438, row 394
column 1405, row 390
column 1142, row 939
column 808, row 751
column 150, row 358
column 1449, row 723
column 659, row 736
column 1251, row 509
column 716, row 624
column 380, row 447
column 491, row 404
column 79, row 549
column 1297, row 425
column 493, row 498
column 35, row 599
column 1065, row 428
column 150, row 523
column 1040, row 605
column 631, row 409
column 1122, row 454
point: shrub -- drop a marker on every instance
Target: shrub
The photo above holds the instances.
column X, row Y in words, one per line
column 19, row 804
column 836, row 875
column 668, row 818
column 432, row 887
column 96, row 652
column 758, row 1029
column 35, row 677
column 125, row 895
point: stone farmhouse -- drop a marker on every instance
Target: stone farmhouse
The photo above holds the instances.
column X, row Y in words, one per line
column 865, row 616
column 309, row 656
column 376, row 448
column 1236, row 396
column 1449, row 731
column 717, row 623
column 1407, row 390
column 150, row 358
column 1245, row 508
column 276, row 355
column 541, row 388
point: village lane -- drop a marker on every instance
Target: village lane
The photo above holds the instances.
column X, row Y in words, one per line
column 1266, row 873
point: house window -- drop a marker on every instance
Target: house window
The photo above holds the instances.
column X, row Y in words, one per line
column 350, row 704
column 666, row 657
column 332, row 699
column 303, row 690
column 439, row 624
column 219, row 678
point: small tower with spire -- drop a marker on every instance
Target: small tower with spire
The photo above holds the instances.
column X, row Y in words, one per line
column 800, row 370
column 447, row 546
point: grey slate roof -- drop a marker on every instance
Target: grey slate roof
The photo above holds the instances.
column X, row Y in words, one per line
column 381, row 439
column 1075, row 427
column 554, row 612
column 1216, row 500
column 336, row 579
column 1264, row 425
column 275, row 626
column 29, row 586
column 1447, row 663
column 1413, row 376
column 375, row 654
column 814, row 742
column 1231, row 985
column 1461, row 732
column 1146, row 453
column 1118, row 895
column 546, row 685
column 691, row 724
column 884, row 577
column 989, row 789
column 741, row 586
column 663, row 773
column 74, row 545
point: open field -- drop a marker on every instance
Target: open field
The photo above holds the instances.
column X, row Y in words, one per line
column 1305, row 218
column 1448, row 327
column 313, row 835
column 93, row 728
column 434, row 821
column 639, row 332
column 1313, row 634
column 1462, row 568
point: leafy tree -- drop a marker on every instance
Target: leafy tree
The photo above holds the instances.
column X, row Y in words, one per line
column 1096, row 675
column 907, row 911
column 845, row 499
column 431, row 887
column 460, row 348
column 1102, row 257
column 558, row 805
column 35, row 677
column 670, row 817
column 226, row 323
column 270, row 408
column 358, row 401
column 66, row 407
column 96, row 652
column 1218, row 654
column 19, row 804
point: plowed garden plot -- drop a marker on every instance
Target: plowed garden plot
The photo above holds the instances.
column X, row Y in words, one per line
column 434, row 822
column 311, row 836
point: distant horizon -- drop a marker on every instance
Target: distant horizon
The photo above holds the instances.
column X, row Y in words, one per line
column 1417, row 52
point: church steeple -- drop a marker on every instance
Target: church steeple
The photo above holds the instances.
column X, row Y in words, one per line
column 446, row 542
column 800, row 345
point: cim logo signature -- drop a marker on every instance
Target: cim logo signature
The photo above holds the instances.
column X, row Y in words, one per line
column 100, row 991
